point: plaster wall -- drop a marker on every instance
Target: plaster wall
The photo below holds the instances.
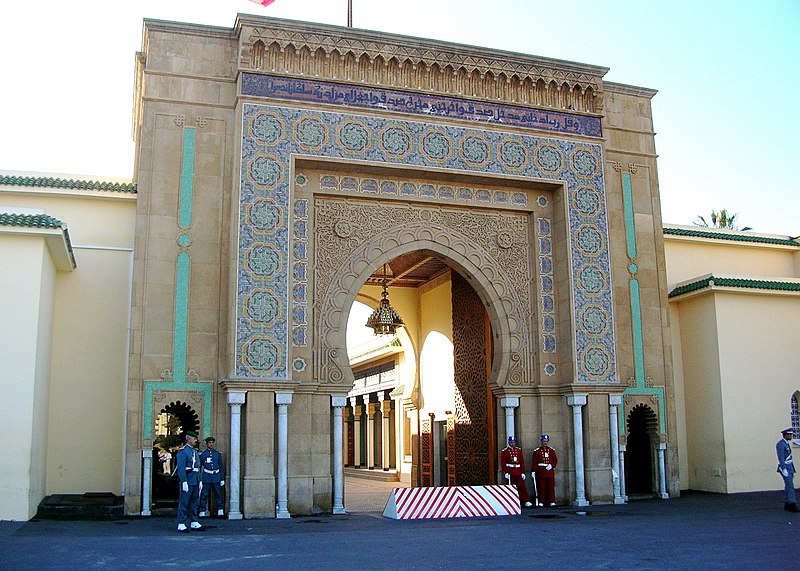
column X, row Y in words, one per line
column 690, row 259
column 436, row 352
column 756, row 387
column 699, row 330
column 25, row 338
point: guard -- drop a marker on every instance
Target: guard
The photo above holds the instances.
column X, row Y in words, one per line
column 188, row 469
column 786, row 469
column 544, row 463
column 513, row 464
column 213, row 478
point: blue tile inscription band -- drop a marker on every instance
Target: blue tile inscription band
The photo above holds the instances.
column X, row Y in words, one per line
column 314, row 91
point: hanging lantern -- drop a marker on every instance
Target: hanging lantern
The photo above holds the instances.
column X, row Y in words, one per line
column 384, row 320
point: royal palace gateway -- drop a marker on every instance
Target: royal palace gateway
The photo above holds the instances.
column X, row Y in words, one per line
column 506, row 205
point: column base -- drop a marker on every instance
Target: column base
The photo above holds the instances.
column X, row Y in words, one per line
column 145, row 513
column 339, row 511
column 282, row 514
column 664, row 496
column 234, row 515
column 580, row 503
column 618, row 501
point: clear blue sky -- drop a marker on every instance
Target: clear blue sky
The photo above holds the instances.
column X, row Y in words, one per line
column 726, row 112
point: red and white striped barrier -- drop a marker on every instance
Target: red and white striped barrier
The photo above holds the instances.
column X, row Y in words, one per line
column 455, row 501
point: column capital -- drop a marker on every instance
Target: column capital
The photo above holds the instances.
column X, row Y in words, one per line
column 236, row 397
column 614, row 400
column 577, row 399
column 338, row 401
column 661, row 445
column 147, row 452
column 509, row 401
column 283, row 398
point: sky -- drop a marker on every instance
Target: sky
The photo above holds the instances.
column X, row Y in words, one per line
column 726, row 114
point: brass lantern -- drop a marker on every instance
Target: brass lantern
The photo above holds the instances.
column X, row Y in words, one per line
column 385, row 320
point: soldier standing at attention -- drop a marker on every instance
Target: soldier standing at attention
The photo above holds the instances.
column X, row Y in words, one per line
column 786, row 470
column 212, row 477
column 544, row 466
column 188, row 469
column 513, row 465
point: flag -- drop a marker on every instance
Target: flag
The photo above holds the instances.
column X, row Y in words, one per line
column 263, row 2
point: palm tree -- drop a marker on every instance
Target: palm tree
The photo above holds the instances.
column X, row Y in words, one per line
column 722, row 220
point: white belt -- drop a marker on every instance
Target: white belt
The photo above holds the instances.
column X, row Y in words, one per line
column 512, row 465
column 210, row 471
column 542, row 465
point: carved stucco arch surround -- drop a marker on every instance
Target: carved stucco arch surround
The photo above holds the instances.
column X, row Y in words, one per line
column 513, row 353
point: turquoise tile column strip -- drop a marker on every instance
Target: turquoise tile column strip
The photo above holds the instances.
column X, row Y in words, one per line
column 181, row 320
column 630, row 227
column 641, row 387
column 187, row 179
column 636, row 325
column 180, row 327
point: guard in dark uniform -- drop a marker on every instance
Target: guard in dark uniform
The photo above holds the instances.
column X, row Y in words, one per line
column 213, row 477
column 786, row 469
column 513, row 464
column 188, row 469
column 544, row 462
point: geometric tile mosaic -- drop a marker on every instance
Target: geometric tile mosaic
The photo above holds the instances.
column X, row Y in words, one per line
column 267, row 217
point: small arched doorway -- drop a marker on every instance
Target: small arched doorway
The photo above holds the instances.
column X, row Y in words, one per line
column 642, row 425
column 171, row 425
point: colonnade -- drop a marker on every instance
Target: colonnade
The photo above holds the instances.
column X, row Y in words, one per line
column 371, row 439
column 368, row 409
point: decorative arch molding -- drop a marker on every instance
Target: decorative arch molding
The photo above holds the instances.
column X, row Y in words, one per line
column 644, row 406
column 344, row 264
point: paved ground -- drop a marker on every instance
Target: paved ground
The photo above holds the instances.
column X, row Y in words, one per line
column 695, row 531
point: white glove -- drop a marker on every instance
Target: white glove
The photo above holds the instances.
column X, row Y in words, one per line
column 200, row 488
column 549, row 467
column 185, row 486
column 523, row 476
column 222, row 483
column 785, row 472
column 508, row 477
column 533, row 474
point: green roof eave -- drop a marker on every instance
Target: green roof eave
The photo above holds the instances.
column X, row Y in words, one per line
column 730, row 236
column 70, row 184
column 712, row 281
column 54, row 231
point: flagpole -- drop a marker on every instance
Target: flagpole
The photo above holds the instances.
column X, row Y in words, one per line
column 349, row 13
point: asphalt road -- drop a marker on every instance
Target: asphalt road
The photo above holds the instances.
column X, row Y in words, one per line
column 695, row 531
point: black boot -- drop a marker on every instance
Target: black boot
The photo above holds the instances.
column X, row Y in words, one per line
column 790, row 507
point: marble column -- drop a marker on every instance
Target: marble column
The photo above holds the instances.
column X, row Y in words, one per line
column 613, row 421
column 386, row 409
column 509, row 403
column 338, row 402
column 577, row 401
column 622, row 448
column 358, row 411
column 371, row 406
column 283, row 400
column 147, row 479
column 662, row 471
column 235, row 400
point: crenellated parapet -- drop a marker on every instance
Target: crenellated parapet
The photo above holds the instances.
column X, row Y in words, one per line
column 359, row 56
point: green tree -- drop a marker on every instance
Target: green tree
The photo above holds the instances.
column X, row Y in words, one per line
column 722, row 219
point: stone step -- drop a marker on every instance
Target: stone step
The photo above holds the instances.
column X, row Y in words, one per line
column 375, row 474
column 91, row 505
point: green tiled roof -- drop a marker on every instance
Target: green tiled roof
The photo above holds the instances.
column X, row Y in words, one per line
column 38, row 221
column 726, row 236
column 735, row 282
column 50, row 182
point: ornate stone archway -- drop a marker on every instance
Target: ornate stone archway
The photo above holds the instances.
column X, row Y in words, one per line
column 491, row 248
